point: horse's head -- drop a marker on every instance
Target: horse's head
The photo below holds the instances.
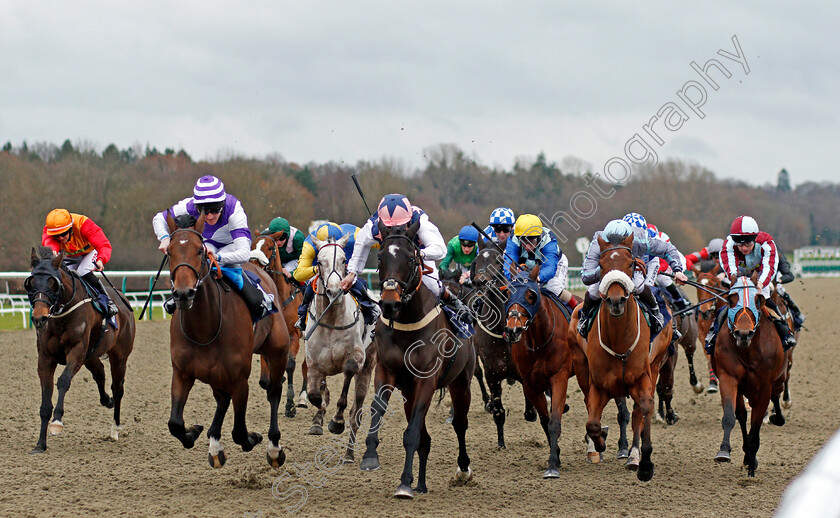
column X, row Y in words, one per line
column 486, row 271
column 711, row 281
column 522, row 306
column 332, row 265
column 44, row 286
column 264, row 250
column 187, row 259
column 745, row 304
column 400, row 267
column 617, row 265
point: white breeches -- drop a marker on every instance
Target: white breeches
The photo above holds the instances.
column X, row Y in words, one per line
column 432, row 280
column 84, row 264
column 557, row 284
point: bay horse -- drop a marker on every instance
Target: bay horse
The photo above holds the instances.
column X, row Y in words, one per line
column 686, row 324
column 537, row 331
column 750, row 362
column 265, row 253
column 340, row 343
column 418, row 352
column 788, row 316
column 707, row 310
column 617, row 366
column 491, row 288
column 212, row 338
column 71, row 332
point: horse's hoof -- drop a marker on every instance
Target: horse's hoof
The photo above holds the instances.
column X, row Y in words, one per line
column 218, row 460
column 291, row 411
column 463, row 476
column 302, row 400
column 623, row 453
column 404, row 492
column 633, row 460
column 421, row 489
column 315, row 430
column 488, row 407
column 671, row 418
column 278, row 461
column 115, row 432
column 787, row 403
column 551, row 473
column 334, row 427
column 698, row 389
column 349, row 459
column 659, row 417
column 777, row 419
column 530, row 415
column 449, row 420
column 502, row 446
column 38, row 450
column 107, row 403
column 594, row 457
column 370, row 464
column 645, row 474
column 56, row 428
column 566, row 408
column 723, row 456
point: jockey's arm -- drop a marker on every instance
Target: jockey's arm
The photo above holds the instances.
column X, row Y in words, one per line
column 652, row 270
column 434, row 247
column 450, row 254
column 161, row 227
column 305, row 270
column 361, row 250
column 769, row 262
column 241, row 235
column 94, row 235
column 591, row 271
column 511, row 251
column 550, row 255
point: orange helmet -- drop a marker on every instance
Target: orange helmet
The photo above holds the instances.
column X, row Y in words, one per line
column 59, row 221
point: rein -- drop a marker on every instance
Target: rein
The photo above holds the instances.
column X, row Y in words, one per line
column 391, row 283
column 269, row 268
column 623, row 357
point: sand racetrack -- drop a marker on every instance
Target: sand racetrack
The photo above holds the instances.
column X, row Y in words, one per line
column 149, row 473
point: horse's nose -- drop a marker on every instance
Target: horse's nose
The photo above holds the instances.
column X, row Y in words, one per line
column 40, row 322
column 184, row 298
column 391, row 308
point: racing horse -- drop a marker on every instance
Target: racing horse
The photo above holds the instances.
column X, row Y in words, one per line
column 418, row 352
column 71, row 332
column 212, row 338
column 786, row 314
column 750, row 362
column 265, row 254
column 491, row 289
column 617, row 366
column 537, row 331
column 686, row 324
column 707, row 310
column 339, row 342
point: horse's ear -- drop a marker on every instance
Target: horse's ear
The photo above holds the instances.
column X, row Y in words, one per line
column 318, row 243
column 279, row 235
column 754, row 278
column 602, row 242
column 535, row 273
column 716, row 269
column 257, row 233
column 628, row 241
column 696, row 269
column 412, row 229
column 34, row 258
column 199, row 224
column 170, row 222
column 56, row 262
column 343, row 241
column 759, row 301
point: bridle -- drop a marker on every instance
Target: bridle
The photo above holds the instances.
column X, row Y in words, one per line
column 528, row 320
column 332, row 272
column 269, row 268
column 620, row 247
column 409, row 287
column 48, row 297
column 205, row 262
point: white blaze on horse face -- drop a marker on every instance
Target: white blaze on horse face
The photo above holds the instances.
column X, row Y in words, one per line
column 183, row 241
column 613, row 255
column 392, row 249
column 704, row 282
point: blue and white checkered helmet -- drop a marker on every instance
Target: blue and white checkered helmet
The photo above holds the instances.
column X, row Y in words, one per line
column 502, row 216
column 635, row 220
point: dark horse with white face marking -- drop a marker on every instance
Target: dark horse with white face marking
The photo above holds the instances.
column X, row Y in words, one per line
column 71, row 332
column 212, row 338
column 418, row 352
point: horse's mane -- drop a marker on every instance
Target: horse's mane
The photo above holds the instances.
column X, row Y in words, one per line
column 615, row 239
column 45, row 252
column 185, row 221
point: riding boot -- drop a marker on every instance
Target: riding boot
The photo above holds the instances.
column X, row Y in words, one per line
column 676, row 295
column 370, row 309
column 711, row 336
column 94, row 281
column 798, row 317
column 303, row 309
column 788, row 340
column 677, row 335
column 253, row 299
column 648, row 299
column 448, row 298
column 585, row 315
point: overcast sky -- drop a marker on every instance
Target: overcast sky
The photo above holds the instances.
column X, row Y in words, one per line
column 350, row 80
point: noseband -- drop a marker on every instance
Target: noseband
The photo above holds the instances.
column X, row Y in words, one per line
column 50, row 298
column 333, row 271
column 199, row 279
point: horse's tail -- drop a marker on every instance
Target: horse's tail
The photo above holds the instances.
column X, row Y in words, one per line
column 441, row 394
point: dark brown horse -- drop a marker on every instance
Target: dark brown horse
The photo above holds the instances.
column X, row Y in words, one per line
column 686, row 324
column 71, row 333
column 788, row 316
column 749, row 362
column 538, row 332
column 418, row 352
column 620, row 361
column 265, row 254
column 493, row 350
column 707, row 310
column 212, row 339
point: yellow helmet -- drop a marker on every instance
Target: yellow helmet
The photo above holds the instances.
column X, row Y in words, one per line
column 59, row 221
column 528, row 225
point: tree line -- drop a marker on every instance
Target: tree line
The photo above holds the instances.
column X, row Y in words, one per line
column 122, row 189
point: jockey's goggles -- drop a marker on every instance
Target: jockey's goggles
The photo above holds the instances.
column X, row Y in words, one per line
column 531, row 240
column 743, row 240
column 66, row 234
column 467, row 243
column 502, row 228
column 209, row 208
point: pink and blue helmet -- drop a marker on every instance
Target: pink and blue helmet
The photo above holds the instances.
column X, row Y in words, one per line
column 394, row 209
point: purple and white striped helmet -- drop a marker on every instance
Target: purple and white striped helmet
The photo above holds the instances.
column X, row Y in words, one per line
column 208, row 189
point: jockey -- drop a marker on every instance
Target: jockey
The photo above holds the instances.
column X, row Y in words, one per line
column 666, row 282
column 86, row 249
column 226, row 235
column 533, row 244
column 306, row 271
column 289, row 243
column 708, row 256
column 747, row 250
column 785, row 276
column 616, row 231
column 462, row 249
column 501, row 223
column 396, row 210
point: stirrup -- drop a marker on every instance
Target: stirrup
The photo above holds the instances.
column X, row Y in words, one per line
column 112, row 309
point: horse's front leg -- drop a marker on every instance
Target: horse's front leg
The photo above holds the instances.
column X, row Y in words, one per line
column 181, row 386
column 485, row 397
column 642, row 394
column 384, row 385
column 752, row 440
column 595, row 403
column 351, row 368
column 362, row 384
column 494, row 384
column 559, row 386
column 216, row 455
column 291, row 409
column 319, row 396
column 623, row 421
column 241, row 436
column 461, row 395
column 728, row 387
column 97, row 370
column 415, row 413
column 75, row 359
column 46, row 371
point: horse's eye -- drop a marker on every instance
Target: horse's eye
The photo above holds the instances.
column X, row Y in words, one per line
column 27, row 284
column 53, row 284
